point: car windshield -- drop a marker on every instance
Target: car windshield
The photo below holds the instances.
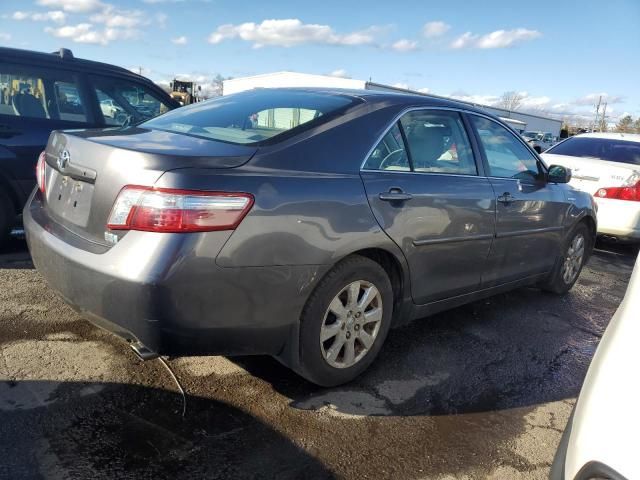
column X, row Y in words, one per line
column 252, row 117
column 612, row 150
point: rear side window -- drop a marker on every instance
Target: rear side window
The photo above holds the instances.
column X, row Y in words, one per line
column 253, row 117
column 438, row 143
column 612, row 150
column 44, row 94
column 390, row 153
column 123, row 102
column 506, row 155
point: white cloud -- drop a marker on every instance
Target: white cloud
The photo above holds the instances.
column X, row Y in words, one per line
column 424, row 90
column 115, row 18
column 180, row 40
column 593, row 98
column 404, row 86
column 85, row 33
column 288, row 33
column 75, row 6
column 54, row 16
column 497, row 39
column 480, row 99
column 435, row 29
column 5, row 37
column 340, row 73
column 405, row 45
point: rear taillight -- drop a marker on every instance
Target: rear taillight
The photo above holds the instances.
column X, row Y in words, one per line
column 168, row 210
column 41, row 170
column 631, row 193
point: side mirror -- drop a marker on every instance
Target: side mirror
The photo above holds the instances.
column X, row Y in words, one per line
column 559, row 174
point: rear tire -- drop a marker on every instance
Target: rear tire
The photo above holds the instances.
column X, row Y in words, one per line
column 345, row 322
column 7, row 217
column 575, row 252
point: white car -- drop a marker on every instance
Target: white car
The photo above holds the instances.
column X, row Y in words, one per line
column 539, row 141
column 601, row 438
column 606, row 165
column 109, row 109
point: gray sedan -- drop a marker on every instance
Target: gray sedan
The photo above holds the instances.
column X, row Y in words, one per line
column 299, row 223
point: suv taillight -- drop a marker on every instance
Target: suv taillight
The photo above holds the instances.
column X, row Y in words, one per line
column 168, row 210
column 41, row 170
column 631, row 193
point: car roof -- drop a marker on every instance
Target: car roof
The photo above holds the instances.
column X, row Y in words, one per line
column 64, row 59
column 630, row 137
column 387, row 97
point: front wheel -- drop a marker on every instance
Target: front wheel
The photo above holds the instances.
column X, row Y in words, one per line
column 345, row 322
column 569, row 265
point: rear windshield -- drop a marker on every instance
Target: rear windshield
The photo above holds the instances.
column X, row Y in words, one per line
column 254, row 117
column 612, row 150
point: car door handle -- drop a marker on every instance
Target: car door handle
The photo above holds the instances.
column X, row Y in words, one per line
column 506, row 198
column 395, row 195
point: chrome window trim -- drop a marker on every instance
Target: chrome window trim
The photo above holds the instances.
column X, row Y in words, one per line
column 413, row 109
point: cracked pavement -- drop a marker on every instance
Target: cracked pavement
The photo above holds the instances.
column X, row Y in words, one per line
column 482, row 391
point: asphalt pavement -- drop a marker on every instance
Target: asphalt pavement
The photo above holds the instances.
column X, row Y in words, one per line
column 482, row 391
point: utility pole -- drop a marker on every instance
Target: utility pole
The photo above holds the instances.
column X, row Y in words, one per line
column 595, row 125
column 604, row 117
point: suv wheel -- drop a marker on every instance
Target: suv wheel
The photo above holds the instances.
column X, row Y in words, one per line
column 345, row 322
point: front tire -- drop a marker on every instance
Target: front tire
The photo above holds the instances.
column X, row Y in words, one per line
column 568, row 267
column 345, row 322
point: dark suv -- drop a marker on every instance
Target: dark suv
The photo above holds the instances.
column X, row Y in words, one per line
column 41, row 92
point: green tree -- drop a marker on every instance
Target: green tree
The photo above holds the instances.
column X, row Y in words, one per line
column 636, row 125
column 625, row 125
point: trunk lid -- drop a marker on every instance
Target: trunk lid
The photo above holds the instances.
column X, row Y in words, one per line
column 590, row 174
column 86, row 169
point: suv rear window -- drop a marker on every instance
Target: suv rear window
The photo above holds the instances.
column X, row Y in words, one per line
column 612, row 150
column 253, row 118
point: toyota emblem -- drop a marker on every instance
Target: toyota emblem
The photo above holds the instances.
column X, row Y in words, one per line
column 63, row 159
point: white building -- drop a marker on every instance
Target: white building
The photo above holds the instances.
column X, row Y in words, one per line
column 517, row 120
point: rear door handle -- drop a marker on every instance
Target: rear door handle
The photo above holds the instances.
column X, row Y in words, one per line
column 395, row 195
column 506, row 198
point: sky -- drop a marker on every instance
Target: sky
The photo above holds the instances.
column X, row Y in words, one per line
column 560, row 55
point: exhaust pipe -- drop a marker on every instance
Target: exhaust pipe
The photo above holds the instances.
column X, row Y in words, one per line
column 142, row 351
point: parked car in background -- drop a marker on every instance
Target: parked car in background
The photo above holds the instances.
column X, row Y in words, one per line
column 600, row 440
column 41, row 92
column 606, row 165
column 109, row 108
column 299, row 223
column 539, row 141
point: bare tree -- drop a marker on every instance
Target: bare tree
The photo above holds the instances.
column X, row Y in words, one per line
column 511, row 100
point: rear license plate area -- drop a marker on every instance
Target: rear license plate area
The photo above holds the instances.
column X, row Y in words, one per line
column 70, row 199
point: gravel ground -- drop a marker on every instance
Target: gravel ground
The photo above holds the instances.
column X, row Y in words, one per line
column 482, row 391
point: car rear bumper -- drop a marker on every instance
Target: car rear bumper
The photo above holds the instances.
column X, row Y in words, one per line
column 619, row 218
column 166, row 292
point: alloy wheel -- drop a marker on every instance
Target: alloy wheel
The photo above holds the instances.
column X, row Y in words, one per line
column 573, row 259
column 351, row 324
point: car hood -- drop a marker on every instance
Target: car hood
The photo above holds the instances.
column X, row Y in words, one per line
column 606, row 420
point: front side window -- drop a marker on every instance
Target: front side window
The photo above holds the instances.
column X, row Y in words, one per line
column 40, row 94
column 253, row 117
column 390, row 153
column 506, row 155
column 438, row 143
column 123, row 102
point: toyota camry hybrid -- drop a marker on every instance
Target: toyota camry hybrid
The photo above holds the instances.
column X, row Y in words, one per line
column 299, row 223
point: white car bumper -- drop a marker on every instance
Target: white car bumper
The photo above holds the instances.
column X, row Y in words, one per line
column 619, row 218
